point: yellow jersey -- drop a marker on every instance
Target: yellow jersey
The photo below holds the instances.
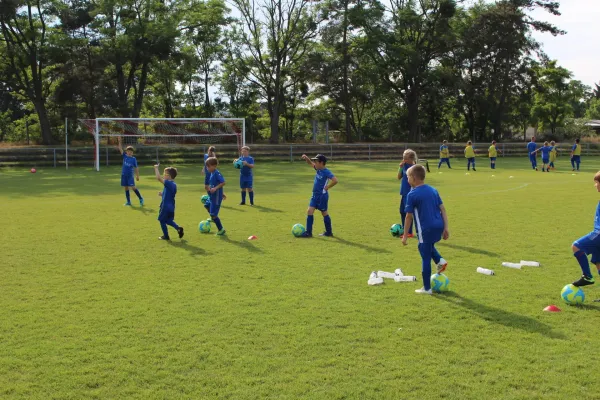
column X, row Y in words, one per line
column 576, row 149
column 469, row 153
column 444, row 152
column 553, row 154
column 492, row 151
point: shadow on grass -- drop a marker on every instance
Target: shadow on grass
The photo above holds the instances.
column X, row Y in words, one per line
column 183, row 244
column 242, row 243
column 358, row 245
column 502, row 317
column 232, row 208
column 468, row 249
column 267, row 209
column 144, row 210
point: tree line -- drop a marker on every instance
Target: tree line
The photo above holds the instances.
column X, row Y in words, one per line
column 414, row 70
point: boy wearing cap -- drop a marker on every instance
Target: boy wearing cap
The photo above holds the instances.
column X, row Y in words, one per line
column 129, row 166
column 324, row 180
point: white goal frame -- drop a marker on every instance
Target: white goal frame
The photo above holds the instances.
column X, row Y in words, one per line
column 98, row 135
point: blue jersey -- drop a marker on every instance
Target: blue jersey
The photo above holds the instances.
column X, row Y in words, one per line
column 321, row 178
column 129, row 164
column 546, row 152
column 168, row 197
column 597, row 219
column 206, row 156
column 246, row 171
column 424, row 203
column 215, row 180
column 404, row 185
column 531, row 146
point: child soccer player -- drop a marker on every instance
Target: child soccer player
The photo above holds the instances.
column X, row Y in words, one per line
column 409, row 158
column 210, row 153
column 553, row 154
column 492, row 153
column 246, row 175
column 444, row 154
column 589, row 244
column 166, row 215
column 470, row 155
column 424, row 205
column 531, row 146
column 324, row 180
column 545, row 149
column 129, row 166
column 216, row 183
column 576, row 154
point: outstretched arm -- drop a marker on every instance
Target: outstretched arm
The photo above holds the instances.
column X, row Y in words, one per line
column 158, row 175
column 308, row 160
column 120, row 146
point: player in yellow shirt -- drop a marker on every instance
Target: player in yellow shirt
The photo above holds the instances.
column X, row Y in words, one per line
column 470, row 156
column 576, row 155
column 493, row 153
column 553, row 154
column 444, row 154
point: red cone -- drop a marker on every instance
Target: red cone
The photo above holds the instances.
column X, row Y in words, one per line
column 552, row 308
column 252, row 237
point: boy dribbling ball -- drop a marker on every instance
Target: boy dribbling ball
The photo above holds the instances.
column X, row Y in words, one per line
column 166, row 215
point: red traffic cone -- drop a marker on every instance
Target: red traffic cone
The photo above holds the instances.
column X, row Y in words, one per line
column 552, row 308
column 252, row 237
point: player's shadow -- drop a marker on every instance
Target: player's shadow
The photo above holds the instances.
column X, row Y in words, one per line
column 499, row 316
column 242, row 243
column 144, row 210
column 232, row 208
column 358, row 245
column 267, row 209
column 468, row 249
column 184, row 244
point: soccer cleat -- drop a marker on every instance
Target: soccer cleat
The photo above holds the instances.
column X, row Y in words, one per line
column 474, row 169
column 141, row 201
column 329, row 234
column 221, row 232
column 180, row 232
column 127, row 204
column 441, row 266
column 164, row 238
column 423, row 291
column 242, row 204
column 306, row 235
column 410, row 235
column 584, row 281
column 536, row 168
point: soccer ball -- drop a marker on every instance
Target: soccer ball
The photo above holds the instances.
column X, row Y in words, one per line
column 439, row 282
column 298, row 230
column 204, row 226
column 397, row 230
column 204, row 199
column 237, row 164
column 572, row 294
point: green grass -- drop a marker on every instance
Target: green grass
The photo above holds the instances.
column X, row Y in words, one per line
column 94, row 306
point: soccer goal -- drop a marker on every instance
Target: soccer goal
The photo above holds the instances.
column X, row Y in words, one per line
column 165, row 132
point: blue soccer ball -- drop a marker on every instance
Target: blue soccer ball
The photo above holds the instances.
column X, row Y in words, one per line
column 572, row 295
column 204, row 199
column 238, row 164
column 204, row 226
column 298, row 230
column 439, row 283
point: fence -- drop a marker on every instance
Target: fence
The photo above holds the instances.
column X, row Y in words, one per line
column 84, row 156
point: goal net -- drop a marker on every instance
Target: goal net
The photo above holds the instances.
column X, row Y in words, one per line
column 165, row 132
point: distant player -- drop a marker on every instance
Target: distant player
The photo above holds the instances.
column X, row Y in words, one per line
column 589, row 244
column 166, row 215
column 546, row 149
column 576, row 155
column 493, row 154
column 409, row 158
column 425, row 207
column 553, row 154
column 130, row 166
column 216, row 183
column 470, row 156
column 531, row 147
column 444, row 154
column 324, row 180
column 246, row 176
column 211, row 153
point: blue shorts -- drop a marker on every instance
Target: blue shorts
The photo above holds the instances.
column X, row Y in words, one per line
column 213, row 209
column 245, row 182
column 545, row 161
column 471, row 160
column 165, row 216
column 429, row 235
column 444, row 159
column 590, row 244
column 492, row 158
column 206, row 179
column 319, row 201
column 576, row 158
column 532, row 158
column 127, row 180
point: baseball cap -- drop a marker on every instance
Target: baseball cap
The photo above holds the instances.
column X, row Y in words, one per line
column 320, row 157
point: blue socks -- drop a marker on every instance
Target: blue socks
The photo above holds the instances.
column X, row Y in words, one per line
column 217, row 222
column 243, row 196
column 583, row 262
column 137, row 193
column 327, row 220
column 309, row 223
column 251, row 194
column 127, row 196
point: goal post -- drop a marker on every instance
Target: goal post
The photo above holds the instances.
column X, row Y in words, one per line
column 165, row 132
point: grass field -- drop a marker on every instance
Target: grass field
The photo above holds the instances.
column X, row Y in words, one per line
column 94, row 306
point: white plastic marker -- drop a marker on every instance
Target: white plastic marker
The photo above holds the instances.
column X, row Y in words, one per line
column 485, row 271
column 510, row 177
column 405, row 278
column 383, row 274
column 374, row 280
column 511, row 265
column 530, row 263
column 399, row 272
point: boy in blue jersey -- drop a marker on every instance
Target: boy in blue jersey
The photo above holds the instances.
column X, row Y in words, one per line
column 425, row 207
column 246, row 176
column 216, row 183
column 576, row 155
column 210, row 153
column 531, row 147
column 166, row 215
column 324, row 180
column 129, row 166
column 409, row 158
column 444, row 154
column 545, row 150
column 589, row 244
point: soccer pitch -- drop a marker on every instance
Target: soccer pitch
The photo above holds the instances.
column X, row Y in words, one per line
column 94, row 306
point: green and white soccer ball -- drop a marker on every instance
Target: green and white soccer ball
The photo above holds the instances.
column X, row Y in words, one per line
column 439, row 283
column 397, row 230
column 238, row 164
column 298, row 230
column 204, row 199
column 204, row 226
column 572, row 295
